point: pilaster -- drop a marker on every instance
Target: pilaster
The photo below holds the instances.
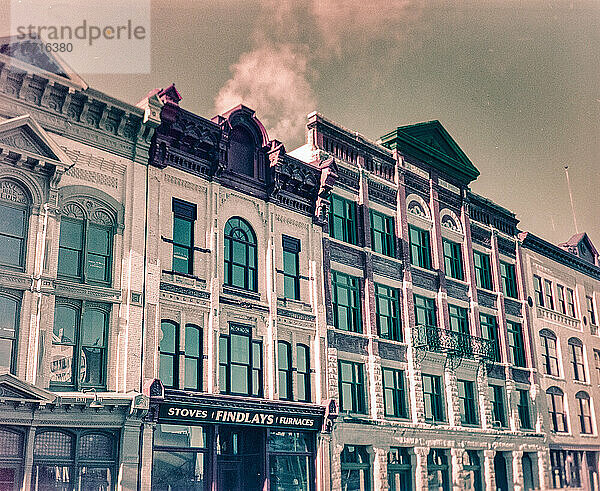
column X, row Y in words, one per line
column 488, row 469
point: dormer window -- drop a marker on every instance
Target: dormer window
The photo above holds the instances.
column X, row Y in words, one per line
column 241, row 151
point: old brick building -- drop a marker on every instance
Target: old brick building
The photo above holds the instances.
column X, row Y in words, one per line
column 563, row 284
column 428, row 348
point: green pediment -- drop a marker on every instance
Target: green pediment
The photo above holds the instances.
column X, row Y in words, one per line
column 433, row 145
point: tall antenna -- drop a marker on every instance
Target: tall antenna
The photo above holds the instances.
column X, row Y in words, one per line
column 571, row 198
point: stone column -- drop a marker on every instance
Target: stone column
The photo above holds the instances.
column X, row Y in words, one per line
column 130, row 454
column 457, row 469
column 452, row 402
column 517, row 470
column 28, row 464
column 543, row 465
column 421, row 468
column 489, row 474
column 380, row 479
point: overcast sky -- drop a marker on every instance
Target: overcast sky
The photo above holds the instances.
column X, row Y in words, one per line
column 516, row 83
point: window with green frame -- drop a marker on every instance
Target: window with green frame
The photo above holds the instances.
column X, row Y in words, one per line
column 291, row 268
column 79, row 342
column 466, row 400
column 394, row 393
column 14, row 216
column 489, row 330
column 459, row 319
column 425, row 311
column 515, row 343
column 240, row 362
column 240, row 261
column 524, row 409
column 483, row 270
column 497, row 402
column 184, row 216
column 346, row 302
column 420, row 250
column 342, row 219
column 85, row 246
column 383, row 234
column 388, row 312
column 453, row 263
column 509, row 279
column 351, row 387
column 10, row 306
column 433, row 397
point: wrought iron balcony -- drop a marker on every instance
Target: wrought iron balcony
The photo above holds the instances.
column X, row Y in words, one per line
column 452, row 342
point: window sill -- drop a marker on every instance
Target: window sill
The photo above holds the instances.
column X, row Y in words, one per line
column 424, row 270
column 343, row 242
column 385, row 256
column 393, row 341
column 241, row 292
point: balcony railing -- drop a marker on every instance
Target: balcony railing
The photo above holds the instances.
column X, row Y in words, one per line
column 452, row 342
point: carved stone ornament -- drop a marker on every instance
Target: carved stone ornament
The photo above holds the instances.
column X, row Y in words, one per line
column 90, row 209
column 12, row 192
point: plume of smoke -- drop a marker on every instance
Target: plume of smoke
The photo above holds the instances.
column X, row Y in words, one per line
column 272, row 79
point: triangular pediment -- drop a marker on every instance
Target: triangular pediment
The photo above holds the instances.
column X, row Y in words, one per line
column 24, row 135
column 14, row 389
column 31, row 55
column 430, row 142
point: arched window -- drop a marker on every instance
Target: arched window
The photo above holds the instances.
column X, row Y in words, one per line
column 168, row 371
column 240, row 254
column 79, row 342
column 284, row 357
column 85, row 247
column 585, row 412
column 556, row 409
column 303, row 372
column 241, row 151
column 577, row 359
column 9, row 328
column 62, row 458
column 549, row 352
column 14, row 216
column 193, row 357
column 11, row 457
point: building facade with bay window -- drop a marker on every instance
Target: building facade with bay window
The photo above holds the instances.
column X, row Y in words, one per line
column 563, row 284
column 71, row 401
column 234, row 306
column 428, row 346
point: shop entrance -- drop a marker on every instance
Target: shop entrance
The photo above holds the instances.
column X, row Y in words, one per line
column 240, row 458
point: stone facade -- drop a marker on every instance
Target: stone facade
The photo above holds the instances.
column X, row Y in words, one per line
column 564, row 325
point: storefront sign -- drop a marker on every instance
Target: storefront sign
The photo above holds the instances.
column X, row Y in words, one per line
column 190, row 414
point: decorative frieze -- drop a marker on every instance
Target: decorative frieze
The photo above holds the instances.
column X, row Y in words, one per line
column 347, row 342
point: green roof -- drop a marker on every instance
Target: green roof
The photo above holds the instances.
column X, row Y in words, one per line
column 432, row 144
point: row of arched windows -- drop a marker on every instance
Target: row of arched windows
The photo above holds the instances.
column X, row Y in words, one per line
column 551, row 355
column 557, row 410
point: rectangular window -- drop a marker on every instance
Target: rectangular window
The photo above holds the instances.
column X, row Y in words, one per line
column 425, row 311
column 420, row 251
column 399, row 469
column 562, row 304
column 79, row 343
column 433, row 398
column 577, row 361
column 303, row 372
column 193, row 358
column 585, row 413
column 284, row 360
column 483, row 270
column 394, row 393
column 388, row 312
column 291, row 268
column 497, row 402
column 570, row 302
column 489, row 329
column 524, row 409
column 342, row 220
column 548, row 296
column 184, row 217
column 13, row 228
column 383, row 235
column 591, row 311
column 346, row 302
column 515, row 343
column 539, row 294
column 453, row 263
column 240, row 362
column 356, row 468
column 9, row 327
column 351, row 387
column 466, row 400
column 459, row 323
column 509, row 279
column 597, row 362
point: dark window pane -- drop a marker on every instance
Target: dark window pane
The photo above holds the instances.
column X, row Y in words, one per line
column 239, row 379
column 91, row 367
column 10, row 250
column 98, row 240
column 12, row 221
column 173, row 471
column 93, row 327
column 192, row 341
column 71, row 233
column 240, row 349
column 166, row 370
column 191, row 373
